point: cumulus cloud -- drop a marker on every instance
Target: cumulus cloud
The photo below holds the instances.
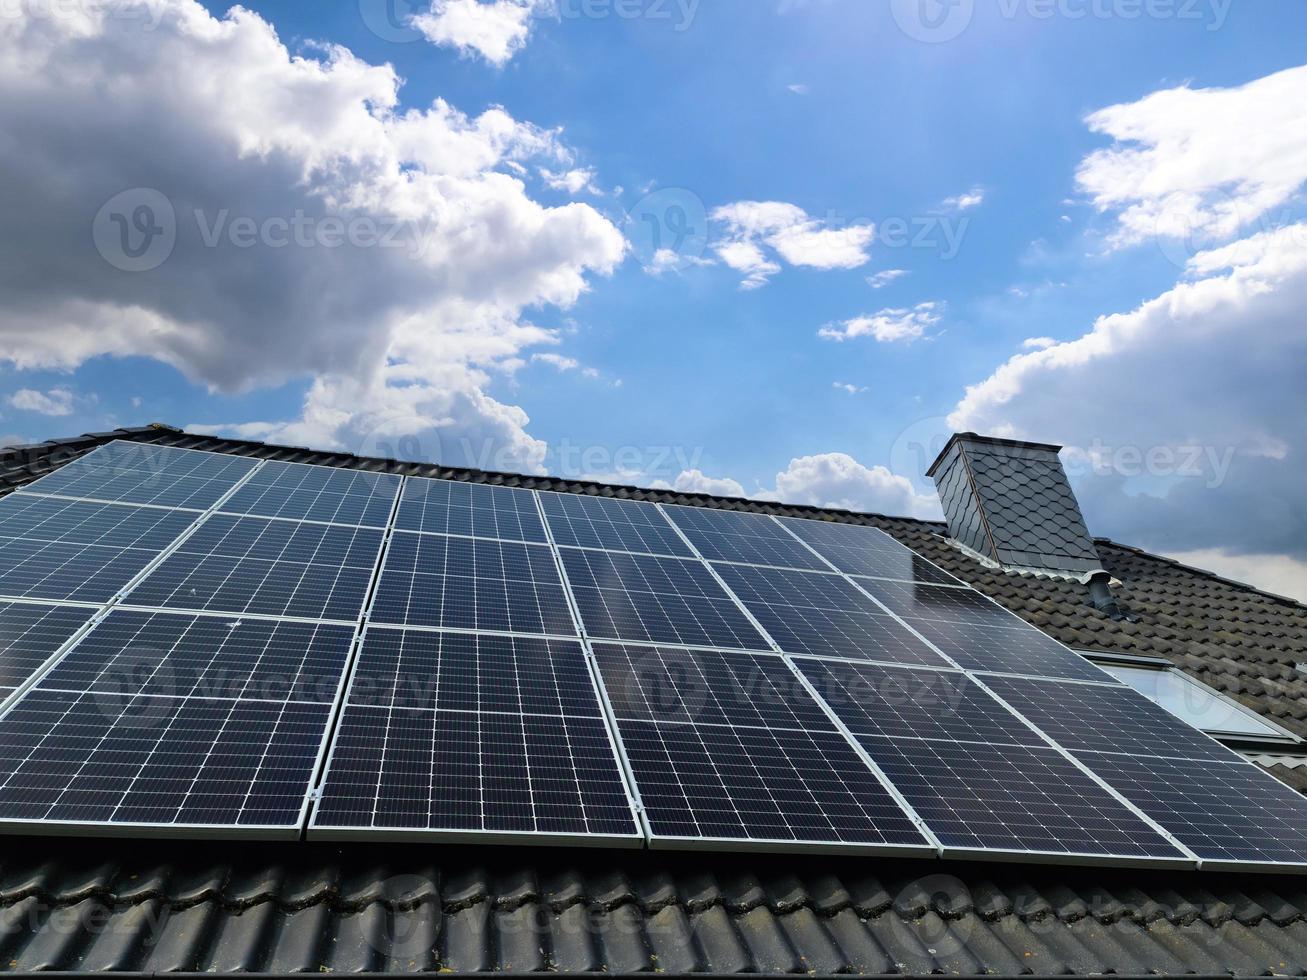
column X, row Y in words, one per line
column 56, row 401
column 973, row 198
column 759, row 232
column 887, row 326
column 315, row 229
column 839, row 480
column 572, row 181
column 1199, row 164
column 494, row 29
column 886, row 276
column 696, row 481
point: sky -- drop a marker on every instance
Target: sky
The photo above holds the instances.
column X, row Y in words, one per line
column 775, row 248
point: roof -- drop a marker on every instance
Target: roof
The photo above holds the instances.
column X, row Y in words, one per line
column 175, row 906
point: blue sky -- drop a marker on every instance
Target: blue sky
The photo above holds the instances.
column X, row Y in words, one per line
column 878, row 216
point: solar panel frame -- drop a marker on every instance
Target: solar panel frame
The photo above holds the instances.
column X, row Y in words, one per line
column 17, row 621
column 498, row 512
column 742, row 538
column 864, row 551
column 610, row 524
column 316, row 494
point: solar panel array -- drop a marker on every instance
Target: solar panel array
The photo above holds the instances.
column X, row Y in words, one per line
column 213, row 645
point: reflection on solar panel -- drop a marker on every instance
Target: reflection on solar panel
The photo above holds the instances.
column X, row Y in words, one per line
column 525, row 751
column 727, row 535
column 30, row 634
column 473, row 509
column 266, row 567
column 138, row 473
column 1011, row 797
column 875, row 700
column 316, row 493
column 475, row 584
column 64, row 549
column 731, row 748
column 118, row 761
column 608, row 523
column 859, row 550
column 1106, row 718
column 179, row 655
column 1000, row 650
column 823, row 615
column 659, row 600
column 939, row 604
column 1223, row 812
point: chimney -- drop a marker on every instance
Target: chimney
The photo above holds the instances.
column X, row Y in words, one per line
column 1010, row 502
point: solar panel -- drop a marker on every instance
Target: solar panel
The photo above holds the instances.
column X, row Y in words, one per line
column 975, row 796
column 466, row 583
column 30, row 634
column 83, row 552
column 316, row 493
column 178, row 655
column 754, row 539
column 1227, row 813
column 1106, row 718
column 525, row 750
column 940, row 604
column 186, row 764
column 653, row 599
column 266, row 567
column 611, row 524
column 473, row 509
column 139, row 473
column 823, row 615
column 1002, row 650
column 859, row 550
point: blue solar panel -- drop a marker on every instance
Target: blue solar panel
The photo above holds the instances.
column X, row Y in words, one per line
column 650, row 599
column 859, row 550
column 139, row 473
column 472, row 509
column 611, row 524
column 755, row 539
column 1003, row 650
column 317, row 493
column 823, row 615
column 84, row 552
column 30, row 634
column 470, row 736
column 266, row 567
column 465, row 583
column 940, row 604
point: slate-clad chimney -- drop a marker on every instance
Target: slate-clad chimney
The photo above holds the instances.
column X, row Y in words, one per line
column 1011, row 502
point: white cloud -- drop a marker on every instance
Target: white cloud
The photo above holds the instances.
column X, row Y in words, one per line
column 494, row 29
column 887, row 326
column 1199, row 165
column 799, row 88
column 405, row 336
column 838, row 480
column 798, row 239
column 572, row 181
column 1038, row 343
column 667, row 260
column 557, row 361
column 847, row 388
column 695, row 481
column 1279, row 574
column 965, row 202
column 886, row 276
column 56, row 401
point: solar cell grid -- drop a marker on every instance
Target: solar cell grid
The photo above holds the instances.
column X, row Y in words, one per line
column 706, row 688
column 612, row 524
column 177, row 655
column 1009, row 797
column 101, row 759
column 266, row 567
column 858, row 550
column 1008, row 651
column 80, row 522
column 464, row 583
column 653, row 599
column 724, row 535
column 30, row 635
column 823, row 615
column 940, row 604
column 316, row 493
column 721, row 783
column 461, row 772
column 145, row 474
column 514, row 675
column 477, row 510
column 1104, row 718
column 897, row 701
column 1221, row 811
